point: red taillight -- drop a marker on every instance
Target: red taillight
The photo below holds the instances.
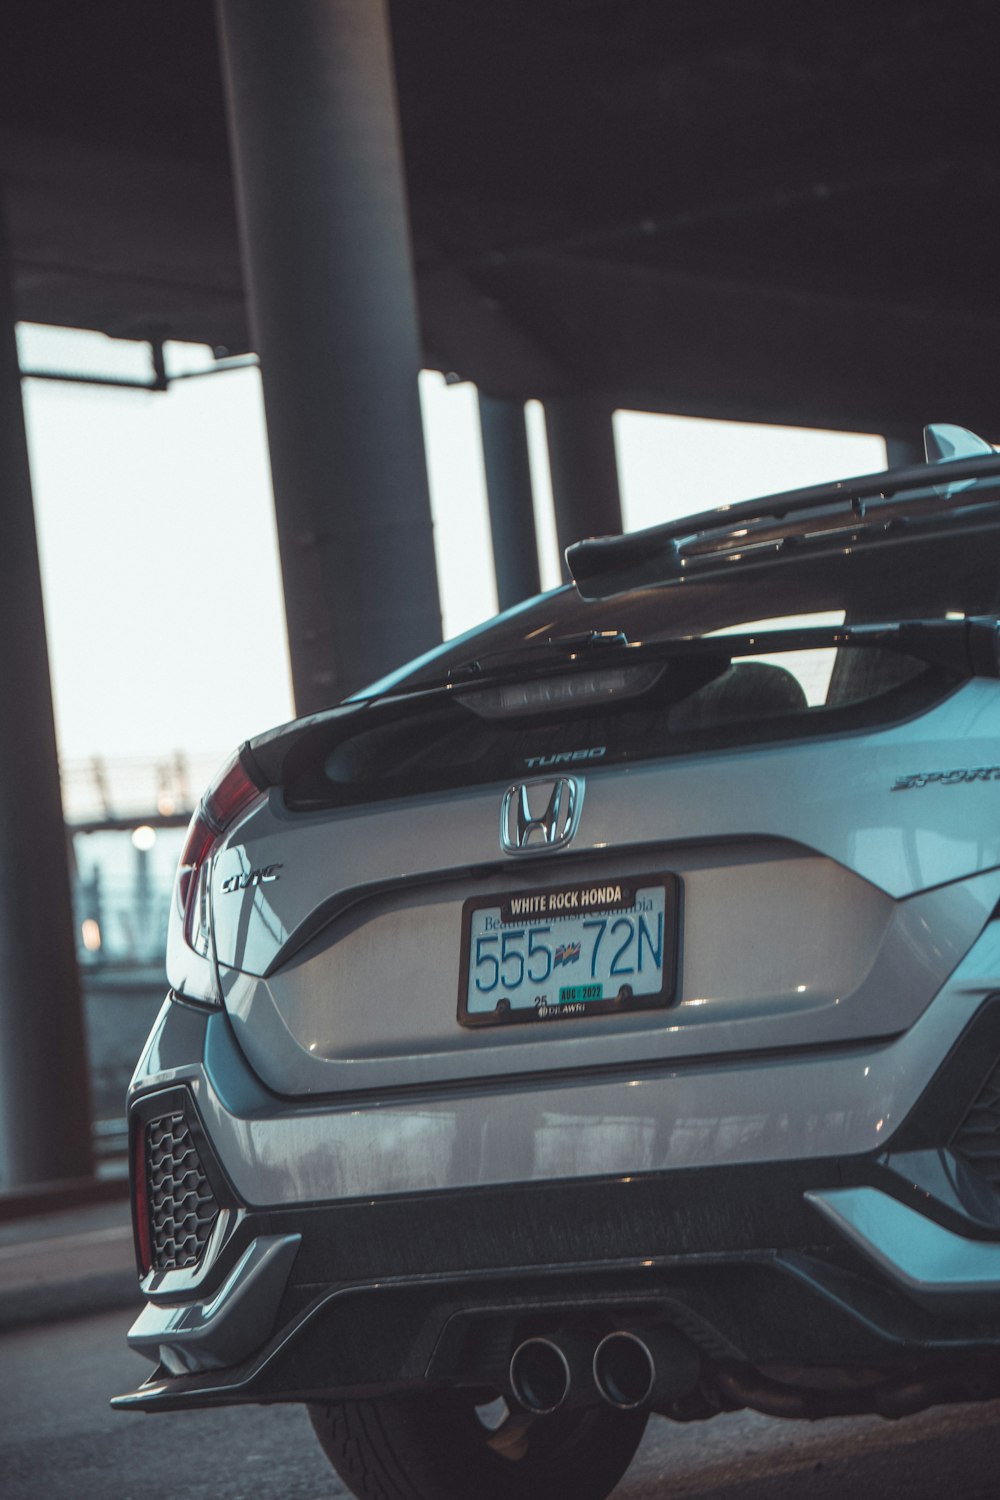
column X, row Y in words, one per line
column 199, row 840
column 230, row 794
column 197, row 847
column 140, row 1201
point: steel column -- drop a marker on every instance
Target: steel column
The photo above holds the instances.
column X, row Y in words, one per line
column 508, row 490
column 584, row 469
column 321, row 196
column 44, row 1099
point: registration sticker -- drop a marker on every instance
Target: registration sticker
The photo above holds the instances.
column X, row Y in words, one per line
column 561, row 951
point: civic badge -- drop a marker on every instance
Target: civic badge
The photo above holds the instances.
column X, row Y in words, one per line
column 539, row 816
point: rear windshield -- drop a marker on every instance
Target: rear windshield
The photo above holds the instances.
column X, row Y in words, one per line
column 692, row 704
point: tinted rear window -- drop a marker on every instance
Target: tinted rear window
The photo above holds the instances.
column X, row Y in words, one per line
column 697, row 704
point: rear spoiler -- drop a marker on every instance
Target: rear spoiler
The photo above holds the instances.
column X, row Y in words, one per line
column 869, row 505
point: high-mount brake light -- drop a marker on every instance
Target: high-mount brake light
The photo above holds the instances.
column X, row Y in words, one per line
column 566, row 691
column 229, row 795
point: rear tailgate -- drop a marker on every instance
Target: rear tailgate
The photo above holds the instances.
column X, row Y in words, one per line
column 814, row 904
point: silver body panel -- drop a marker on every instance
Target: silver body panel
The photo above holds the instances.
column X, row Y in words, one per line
column 372, row 1004
column 819, row 905
column 924, row 1259
column 699, row 1113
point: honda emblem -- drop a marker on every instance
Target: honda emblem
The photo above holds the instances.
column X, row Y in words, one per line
column 539, row 816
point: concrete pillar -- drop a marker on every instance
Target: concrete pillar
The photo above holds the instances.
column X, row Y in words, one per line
column 508, row 489
column 584, row 469
column 321, row 197
column 44, row 1098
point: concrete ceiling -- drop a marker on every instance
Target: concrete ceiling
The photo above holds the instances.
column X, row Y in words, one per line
column 778, row 212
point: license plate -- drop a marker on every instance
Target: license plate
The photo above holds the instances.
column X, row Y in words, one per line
column 561, row 951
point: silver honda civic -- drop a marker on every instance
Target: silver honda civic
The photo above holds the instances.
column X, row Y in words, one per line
column 600, row 1017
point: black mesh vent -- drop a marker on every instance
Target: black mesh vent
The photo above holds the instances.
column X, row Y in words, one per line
column 977, row 1139
column 182, row 1206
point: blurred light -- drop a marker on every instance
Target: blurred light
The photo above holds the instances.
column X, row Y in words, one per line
column 165, row 804
column 144, row 837
column 90, row 931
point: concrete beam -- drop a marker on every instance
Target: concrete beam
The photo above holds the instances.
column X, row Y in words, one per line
column 672, row 341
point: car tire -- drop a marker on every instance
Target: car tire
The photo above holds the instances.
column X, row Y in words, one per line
column 436, row 1446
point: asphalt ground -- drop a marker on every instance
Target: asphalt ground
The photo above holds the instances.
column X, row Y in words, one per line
column 68, row 1261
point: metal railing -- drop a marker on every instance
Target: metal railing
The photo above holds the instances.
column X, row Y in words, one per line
column 125, row 823
column 102, row 792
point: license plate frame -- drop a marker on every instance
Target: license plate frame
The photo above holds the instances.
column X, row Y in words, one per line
column 568, row 914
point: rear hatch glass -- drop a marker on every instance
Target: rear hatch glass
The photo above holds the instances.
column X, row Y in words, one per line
column 669, row 705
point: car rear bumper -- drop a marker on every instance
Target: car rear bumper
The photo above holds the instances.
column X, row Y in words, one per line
column 880, row 1257
column 361, row 1312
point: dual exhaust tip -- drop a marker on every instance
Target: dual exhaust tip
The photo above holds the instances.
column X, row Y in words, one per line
column 629, row 1369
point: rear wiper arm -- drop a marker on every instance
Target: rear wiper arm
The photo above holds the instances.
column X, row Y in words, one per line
column 968, row 647
column 561, row 649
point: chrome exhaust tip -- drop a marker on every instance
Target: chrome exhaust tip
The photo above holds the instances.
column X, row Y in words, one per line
column 624, row 1370
column 540, row 1376
column 634, row 1369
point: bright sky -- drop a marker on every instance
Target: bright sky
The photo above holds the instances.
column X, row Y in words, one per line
column 156, row 532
